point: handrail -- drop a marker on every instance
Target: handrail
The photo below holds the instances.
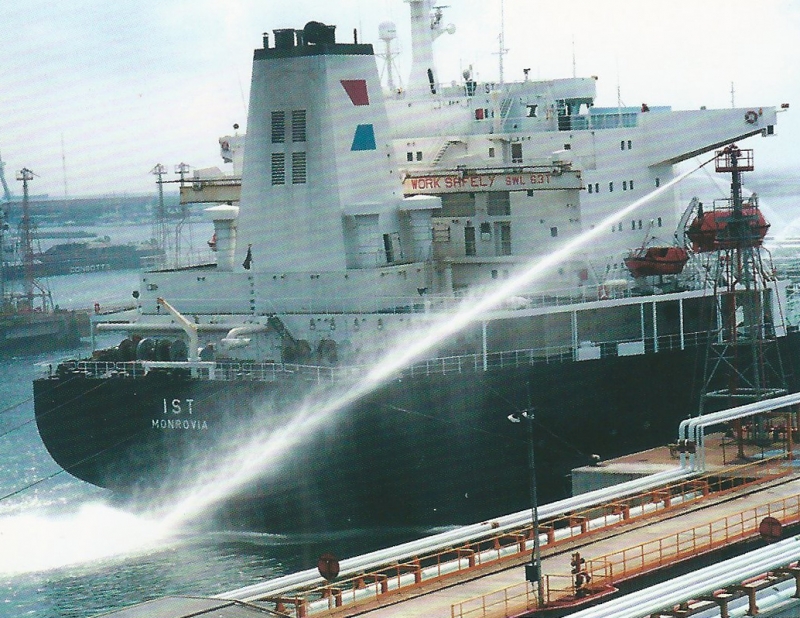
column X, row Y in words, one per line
column 447, row 365
column 603, row 572
column 668, row 550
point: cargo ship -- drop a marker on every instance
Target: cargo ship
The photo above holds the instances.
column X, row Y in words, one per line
column 84, row 257
column 354, row 226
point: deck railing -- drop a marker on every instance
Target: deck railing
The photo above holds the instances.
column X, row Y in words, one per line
column 467, row 363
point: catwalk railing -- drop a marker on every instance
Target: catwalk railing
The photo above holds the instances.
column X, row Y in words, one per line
column 448, row 365
column 604, row 571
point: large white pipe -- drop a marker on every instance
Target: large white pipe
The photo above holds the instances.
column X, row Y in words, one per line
column 432, row 544
column 699, row 583
column 160, row 328
column 235, row 337
column 692, row 429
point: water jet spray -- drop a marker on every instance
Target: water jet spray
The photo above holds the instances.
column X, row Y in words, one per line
column 252, row 459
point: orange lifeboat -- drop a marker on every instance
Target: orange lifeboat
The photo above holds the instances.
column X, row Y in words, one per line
column 652, row 261
column 710, row 230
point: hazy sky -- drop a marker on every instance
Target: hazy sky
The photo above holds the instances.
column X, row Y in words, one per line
column 125, row 85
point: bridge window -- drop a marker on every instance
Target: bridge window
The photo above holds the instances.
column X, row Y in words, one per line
column 409, row 156
column 610, row 187
column 633, row 225
column 597, row 187
column 516, row 153
column 458, row 205
column 622, row 145
column 590, row 188
column 554, row 232
column 630, row 184
column 419, row 155
column 658, row 182
column 498, row 204
column 624, row 185
column 491, row 153
column 629, row 144
column 659, row 222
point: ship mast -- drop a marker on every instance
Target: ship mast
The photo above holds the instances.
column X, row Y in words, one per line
column 26, row 175
column 32, row 286
column 743, row 364
column 3, row 228
column 160, row 220
column 426, row 27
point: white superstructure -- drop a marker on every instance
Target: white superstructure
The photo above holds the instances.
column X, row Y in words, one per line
column 623, row 153
column 361, row 212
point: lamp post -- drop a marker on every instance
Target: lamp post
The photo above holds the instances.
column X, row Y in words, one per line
column 533, row 570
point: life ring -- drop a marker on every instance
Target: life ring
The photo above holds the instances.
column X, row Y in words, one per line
column 751, row 117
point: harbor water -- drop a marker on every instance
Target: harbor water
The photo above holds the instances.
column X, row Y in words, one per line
column 66, row 549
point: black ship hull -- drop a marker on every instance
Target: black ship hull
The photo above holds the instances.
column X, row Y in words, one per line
column 422, row 450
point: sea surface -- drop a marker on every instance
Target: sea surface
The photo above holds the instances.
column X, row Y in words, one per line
column 66, row 550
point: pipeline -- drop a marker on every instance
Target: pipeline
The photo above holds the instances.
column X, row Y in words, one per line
column 699, row 583
column 432, row 544
column 692, row 429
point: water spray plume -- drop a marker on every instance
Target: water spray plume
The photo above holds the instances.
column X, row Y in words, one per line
column 97, row 532
column 252, row 458
column 35, row 542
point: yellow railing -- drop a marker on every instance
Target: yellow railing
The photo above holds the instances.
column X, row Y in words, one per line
column 505, row 602
column 668, row 550
column 603, row 572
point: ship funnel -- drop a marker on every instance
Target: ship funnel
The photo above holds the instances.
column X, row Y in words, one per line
column 224, row 218
column 284, row 38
